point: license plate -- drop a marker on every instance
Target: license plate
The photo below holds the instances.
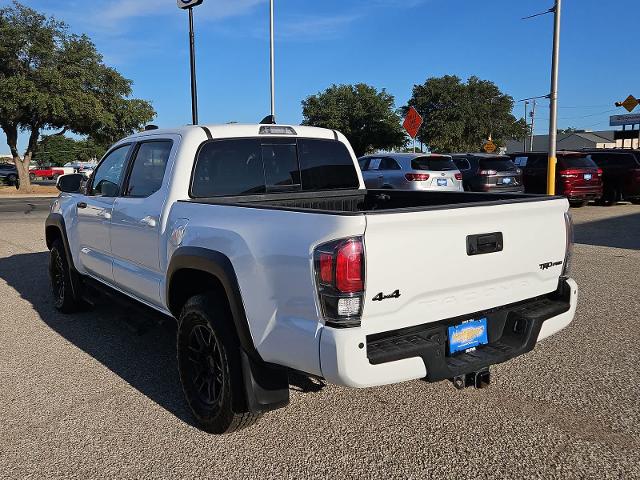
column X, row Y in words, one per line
column 587, row 176
column 506, row 180
column 442, row 182
column 467, row 335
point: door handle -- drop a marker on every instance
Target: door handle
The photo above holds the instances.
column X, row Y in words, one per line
column 149, row 221
column 81, row 204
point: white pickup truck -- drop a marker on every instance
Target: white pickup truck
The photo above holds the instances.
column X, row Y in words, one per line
column 263, row 243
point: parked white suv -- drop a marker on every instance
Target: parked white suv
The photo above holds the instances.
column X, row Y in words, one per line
column 263, row 243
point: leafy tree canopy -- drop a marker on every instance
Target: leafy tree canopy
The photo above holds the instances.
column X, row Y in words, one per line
column 51, row 79
column 460, row 116
column 366, row 116
column 58, row 150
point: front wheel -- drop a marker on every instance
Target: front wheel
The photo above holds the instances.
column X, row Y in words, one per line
column 210, row 366
column 32, row 176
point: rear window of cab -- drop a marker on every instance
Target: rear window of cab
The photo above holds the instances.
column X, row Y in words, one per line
column 498, row 164
column 246, row 166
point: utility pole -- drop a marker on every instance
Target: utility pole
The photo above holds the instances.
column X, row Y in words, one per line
column 553, row 100
column 524, row 141
column 533, row 125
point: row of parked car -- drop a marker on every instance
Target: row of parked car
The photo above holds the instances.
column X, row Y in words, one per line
column 603, row 175
column 9, row 173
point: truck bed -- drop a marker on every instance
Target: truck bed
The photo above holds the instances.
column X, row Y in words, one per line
column 356, row 202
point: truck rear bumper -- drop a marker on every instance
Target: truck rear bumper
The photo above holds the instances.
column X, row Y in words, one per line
column 352, row 358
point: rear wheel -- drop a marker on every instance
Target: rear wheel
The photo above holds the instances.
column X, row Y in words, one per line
column 63, row 298
column 32, row 176
column 210, row 366
column 12, row 180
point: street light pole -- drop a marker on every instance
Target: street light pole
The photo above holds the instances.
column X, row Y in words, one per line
column 192, row 55
column 272, row 62
column 553, row 101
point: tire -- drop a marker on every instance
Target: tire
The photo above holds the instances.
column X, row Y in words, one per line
column 210, row 366
column 55, row 177
column 578, row 203
column 12, row 180
column 635, row 201
column 32, row 177
column 63, row 298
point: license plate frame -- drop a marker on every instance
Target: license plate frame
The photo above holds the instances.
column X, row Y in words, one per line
column 468, row 334
column 506, row 181
column 588, row 176
column 442, row 182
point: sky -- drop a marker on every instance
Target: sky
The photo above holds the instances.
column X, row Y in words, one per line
column 390, row 44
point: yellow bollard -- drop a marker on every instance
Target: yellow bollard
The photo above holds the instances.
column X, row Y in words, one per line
column 551, row 176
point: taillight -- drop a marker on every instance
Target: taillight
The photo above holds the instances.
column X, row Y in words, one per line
column 458, row 176
column 349, row 267
column 568, row 223
column 417, row 177
column 487, row 172
column 339, row 268
column 600, row 172
column 570, row 173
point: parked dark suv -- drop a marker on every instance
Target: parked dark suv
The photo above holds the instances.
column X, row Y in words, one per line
column 620, row 174
column 484, row 172
column 8, row 174
column 577, row 177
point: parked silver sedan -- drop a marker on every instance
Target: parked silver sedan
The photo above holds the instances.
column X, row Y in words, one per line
column 410, row 171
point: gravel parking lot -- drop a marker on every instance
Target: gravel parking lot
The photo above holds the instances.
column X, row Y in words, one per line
column 97, row 394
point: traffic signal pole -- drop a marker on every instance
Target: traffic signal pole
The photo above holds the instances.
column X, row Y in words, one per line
column 553, row 101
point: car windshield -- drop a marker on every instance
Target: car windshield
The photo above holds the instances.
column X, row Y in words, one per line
column 576, row 161
column 433, row 163
column 499, row 164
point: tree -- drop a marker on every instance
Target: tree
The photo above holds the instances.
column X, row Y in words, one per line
column 366, row 116
column 51, row 79
column 460, row 116
column 569, row 130
column 58, row 150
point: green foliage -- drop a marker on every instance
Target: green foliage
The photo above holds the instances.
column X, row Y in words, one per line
column 58, row 150
column 363, row 114
column 460, row 116
column 51, row 79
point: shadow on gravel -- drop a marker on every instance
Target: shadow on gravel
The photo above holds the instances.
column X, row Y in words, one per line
column 619, row 232
column 140, row 350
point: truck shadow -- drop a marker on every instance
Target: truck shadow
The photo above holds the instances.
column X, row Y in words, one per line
column 619, row 232
column 142, row 351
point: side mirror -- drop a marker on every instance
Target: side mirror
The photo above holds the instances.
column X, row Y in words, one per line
column 71, row 183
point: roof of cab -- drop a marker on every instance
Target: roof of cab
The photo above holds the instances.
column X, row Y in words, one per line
column 236, row 130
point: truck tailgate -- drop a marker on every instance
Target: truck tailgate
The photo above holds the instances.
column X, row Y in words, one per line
column 424, row 256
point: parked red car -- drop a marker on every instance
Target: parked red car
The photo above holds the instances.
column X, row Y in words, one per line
column 577, row 176
column 49, row 172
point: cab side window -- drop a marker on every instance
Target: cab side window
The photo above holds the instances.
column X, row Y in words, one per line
column 108, row 177
column 148, row 168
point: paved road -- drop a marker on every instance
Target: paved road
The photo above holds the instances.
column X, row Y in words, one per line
column 96, row 395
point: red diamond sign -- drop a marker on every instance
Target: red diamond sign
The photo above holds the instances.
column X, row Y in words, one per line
column 413, row 122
